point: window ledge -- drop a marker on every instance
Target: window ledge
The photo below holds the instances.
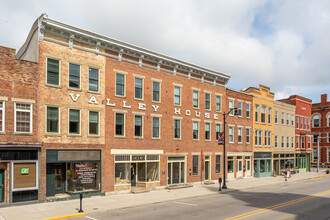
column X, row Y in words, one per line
column 177, row 139
column 52, row 135
column 93, row 136
column 154, row 138
column 156, row 101
column 137, row 99
column 2, row 133
column 138, row 137
column 75, row 89
column 22, row 133
column 94, row 92
column 120, row 96
column 53, row 86
column 121, row 137
column 74, row 135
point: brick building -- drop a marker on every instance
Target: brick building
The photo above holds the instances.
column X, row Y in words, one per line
column 321, row 131
column 239, row 134
column 114, row 116
column 19, row 144
column 303, row 131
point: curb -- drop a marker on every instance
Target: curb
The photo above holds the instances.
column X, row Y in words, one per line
column 66, row 216
column 315, row 177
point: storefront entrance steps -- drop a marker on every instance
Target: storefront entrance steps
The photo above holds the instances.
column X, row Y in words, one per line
column 208, row 182
column 136, row 190
column 179, row 186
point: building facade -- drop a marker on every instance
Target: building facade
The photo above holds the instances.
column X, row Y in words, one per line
column 114, row 116
column 263, row 129
column 284, row 137
column 321, row 132
column 303, row 142
column 239, row 136
column 20, row 171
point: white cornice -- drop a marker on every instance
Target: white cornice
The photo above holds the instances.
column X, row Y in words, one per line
column 100, row 41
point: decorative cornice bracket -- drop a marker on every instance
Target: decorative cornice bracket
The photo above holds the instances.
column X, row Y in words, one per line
column 140, row 60
column 97, row 47
column 120, row 54
column 158, row 65
column 71, row 41
column 175, row 69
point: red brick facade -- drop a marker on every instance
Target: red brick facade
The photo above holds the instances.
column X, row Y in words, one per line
column 321, row 112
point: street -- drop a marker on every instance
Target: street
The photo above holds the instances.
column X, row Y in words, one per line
column 306, row 199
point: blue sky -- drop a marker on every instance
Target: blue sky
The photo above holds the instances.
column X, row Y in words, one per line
column 281, row 44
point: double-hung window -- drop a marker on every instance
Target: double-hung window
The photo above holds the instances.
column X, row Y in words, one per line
column 303, row 142
column 23, row 117
column 298, row 142
column 74, row 76
column 275, row 140
column 256, row 138
column 2, row 116
column 301, row 122
column 177, row 95
column 309, row 142
column 240, row 109
column 276, row 117
column 260, row 138
column 138, row 126
column 138, row 88
column 305, row 123
column 217, row 130
column 309, row 123
column 239, row 135
column 52, row 119
column 177, row 129
column 156, row 91
column 283, row 118
column 207, row 131
column 93, row 123
column 263, row 114
column 93, row 80
column 195, row 130
column 315, row 137
column 257, row 113
column 292, row 142
column 248, row 106
column 292, row 120
column 287, row 119
column 53, row 72
column 297, row 122
column 120, row 124
column 269, row 115
column 287, row 142
column 231, row 107
column 120, row 84
column 74, row 121
column 155, row 127
column 207, row 101
column 195, row 99
column 218, row 103
column 231, row 134
column 247, row 134
column 282, row 144
column 266, row 138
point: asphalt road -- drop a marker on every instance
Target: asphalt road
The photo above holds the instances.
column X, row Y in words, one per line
column 307, row 199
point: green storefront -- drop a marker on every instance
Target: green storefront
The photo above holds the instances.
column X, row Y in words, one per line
column 262, row 164
column 303, row 162
column 73, row 171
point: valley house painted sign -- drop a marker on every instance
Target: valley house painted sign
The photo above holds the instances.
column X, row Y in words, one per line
column 143, row 106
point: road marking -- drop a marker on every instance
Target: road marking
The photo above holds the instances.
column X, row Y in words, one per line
column 91, row 218
column 183, row 203
column 259, row 211
column 315, row 177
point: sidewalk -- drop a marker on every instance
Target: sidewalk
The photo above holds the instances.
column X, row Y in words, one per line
column 111, row 202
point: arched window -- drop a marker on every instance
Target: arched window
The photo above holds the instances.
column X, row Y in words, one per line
column 316, row 121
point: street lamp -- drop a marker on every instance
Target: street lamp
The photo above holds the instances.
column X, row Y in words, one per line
column 224, row 144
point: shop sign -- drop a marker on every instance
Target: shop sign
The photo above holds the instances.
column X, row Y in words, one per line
column 262, row 154
column 85, row 173
column 24, row 171
column 138, row 157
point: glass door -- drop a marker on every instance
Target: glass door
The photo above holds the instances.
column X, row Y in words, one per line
column 1, row 185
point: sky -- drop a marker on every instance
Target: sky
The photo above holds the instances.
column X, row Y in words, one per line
column 283, row 44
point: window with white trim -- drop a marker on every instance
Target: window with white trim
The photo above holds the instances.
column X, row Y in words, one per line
column 240, row 109
column 298, row 142
column 207, row 131
column 2, row 116
column 239, row 135
column 292, row 119
column 283, row 118
column 257, row 113
column 231, row 107
column 217, row 163
column 53, row 72
column 218, row 103
column 52, row 119
column 269, row 115
column 120, row 84
column 292, row 142
column 248, row 106
column 207, row 101
column 155, row 91
column 276, row 117
column 93, row 80
column 74, row 76
column 138, row 126
column 287, row 142
column 231, row 134
column 93, row 123
column 74, row 121
column 301, row 122
column 263, row 114
column 195, row 99
column 120, row 124
column 217, row 130
column 155, row 127
column 302, row 142
column 195, row 130
column 256, row 137
column 297, row 122
column 287, row 119
column 177, row 128
column 260, row 138
column 275, row 140
column 23, row 117
column 309, row 123
column 138, row 88
column 195, row 164
column 315, row 137
column 309, row 142
column 282, row 144
column 247, row 134
column 177, row 95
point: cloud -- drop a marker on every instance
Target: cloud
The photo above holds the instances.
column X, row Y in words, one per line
column 282, row 44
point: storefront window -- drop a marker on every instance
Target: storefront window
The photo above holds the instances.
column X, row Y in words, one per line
column 230, row 164
column 83, row 176
column 152, row 171
column 122, row 173
column 269, row 166
column 262, row 166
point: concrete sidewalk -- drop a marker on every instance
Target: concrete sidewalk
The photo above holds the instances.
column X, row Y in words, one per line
column 111, row 202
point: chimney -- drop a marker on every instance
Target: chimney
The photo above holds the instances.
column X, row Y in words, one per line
column 324, row 98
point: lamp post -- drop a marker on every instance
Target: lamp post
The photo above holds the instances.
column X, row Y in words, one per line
column 224, row 144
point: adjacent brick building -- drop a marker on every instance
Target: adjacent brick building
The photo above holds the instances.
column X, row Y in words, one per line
column 19, row 144
column 303, row 131
column 321, row 131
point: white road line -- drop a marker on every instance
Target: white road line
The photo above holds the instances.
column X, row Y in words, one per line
column 90, row 217
column 183, row 203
